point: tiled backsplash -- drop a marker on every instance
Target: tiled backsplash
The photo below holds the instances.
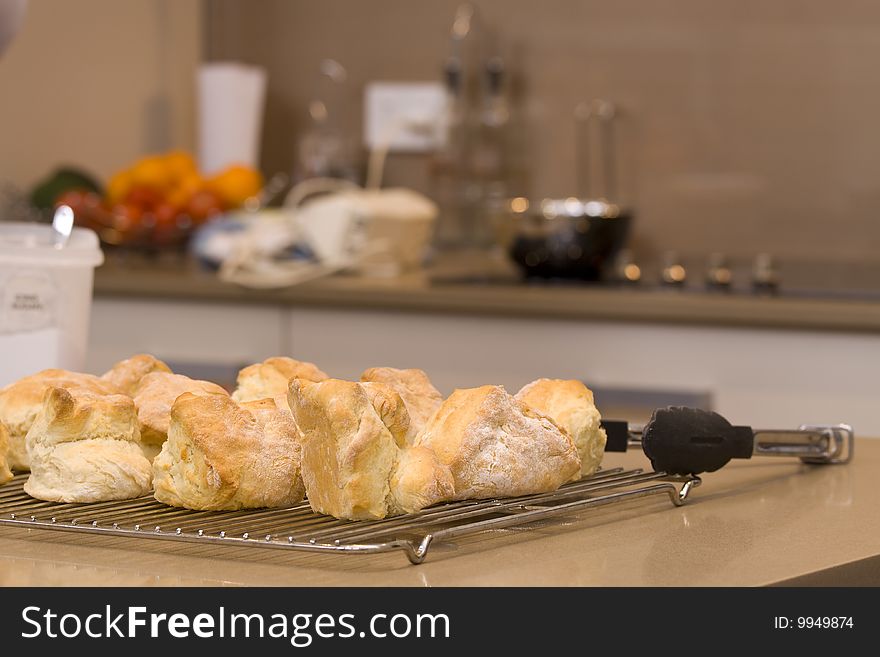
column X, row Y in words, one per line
column 123, row 90
column 754, row 125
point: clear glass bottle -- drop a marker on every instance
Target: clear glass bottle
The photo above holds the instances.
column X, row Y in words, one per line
column 325, row 150
column 490, row 156
column 448, row 163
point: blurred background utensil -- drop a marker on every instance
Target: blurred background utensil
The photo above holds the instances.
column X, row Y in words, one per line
column 576, row 237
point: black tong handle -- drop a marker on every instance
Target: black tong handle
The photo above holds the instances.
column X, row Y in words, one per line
column 688, row 441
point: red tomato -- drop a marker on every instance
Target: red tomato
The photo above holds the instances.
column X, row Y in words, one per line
column 74, row 198
column 131, row 213
column 87, row 208
column 166, row 214
column 146, row 198
column 202, row 205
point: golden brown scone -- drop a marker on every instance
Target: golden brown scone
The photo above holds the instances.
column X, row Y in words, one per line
column 127, row 374
column 391, row 409
column 154, row 396
column 569, row 403
column 497, row 446
column 348, row 453
column 419, row 480
column 422, row 399
column 353, row 465
column 223, row 455
column 5, row 472
column 269, row 379
column 20, row 402
column 84, row 448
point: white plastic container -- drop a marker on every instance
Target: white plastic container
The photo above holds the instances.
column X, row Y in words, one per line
column 45, row 298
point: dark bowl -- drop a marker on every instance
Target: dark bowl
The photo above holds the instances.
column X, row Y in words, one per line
column 567, row 239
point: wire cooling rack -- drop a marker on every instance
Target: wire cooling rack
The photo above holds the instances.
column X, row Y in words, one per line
column 299, row 528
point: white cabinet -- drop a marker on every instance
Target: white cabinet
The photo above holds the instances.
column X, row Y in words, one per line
column 204, row 339
column 763, row 377
column 767, row 378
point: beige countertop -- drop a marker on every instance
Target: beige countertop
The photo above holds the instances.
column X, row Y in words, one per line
column 441, row 290
column 757, row 522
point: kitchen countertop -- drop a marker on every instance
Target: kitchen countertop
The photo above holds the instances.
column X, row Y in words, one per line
column 759, row 522
column 452, row 287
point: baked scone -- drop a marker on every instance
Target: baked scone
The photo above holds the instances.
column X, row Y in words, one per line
column 269, row 379
column 20, row 402
column 84, row 448
column 221, row 455
column 422, row 399
column 153, row 398
column 127, row 374
column 5, row 472
column 352, row 461
column 497, row 446
column 569, row 403
column 419, row 480
column 391, row 409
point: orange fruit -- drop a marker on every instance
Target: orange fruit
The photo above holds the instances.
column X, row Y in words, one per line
column 185, row 189
column 118, row 186
column 235, row 184
column 151, row 172
column 179, row 165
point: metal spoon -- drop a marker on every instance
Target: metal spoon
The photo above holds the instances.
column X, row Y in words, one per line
column 62, row 224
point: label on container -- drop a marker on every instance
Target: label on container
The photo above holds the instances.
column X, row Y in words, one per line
column 29, row 299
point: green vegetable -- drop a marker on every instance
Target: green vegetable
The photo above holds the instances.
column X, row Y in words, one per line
column 62, row 180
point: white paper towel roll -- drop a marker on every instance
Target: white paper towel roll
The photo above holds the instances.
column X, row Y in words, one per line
column 231, row 100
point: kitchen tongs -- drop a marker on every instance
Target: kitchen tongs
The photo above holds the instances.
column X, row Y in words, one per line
column 688, row 441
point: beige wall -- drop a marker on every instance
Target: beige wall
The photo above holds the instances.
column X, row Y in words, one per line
column 756, row 122
column 97, row 83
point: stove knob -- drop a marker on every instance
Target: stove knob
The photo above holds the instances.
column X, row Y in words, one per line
column 625, row 268
column 765, row 277
column 674, row 273
column 718, row 273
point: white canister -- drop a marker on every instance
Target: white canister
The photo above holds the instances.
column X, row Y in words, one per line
column 45, row 298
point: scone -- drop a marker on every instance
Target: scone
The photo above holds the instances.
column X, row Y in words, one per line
column 269, row 379
column 570, row 405
column 419, row 480
column 126, row 375
column 353, row 462
column 84, row 448
column 497, row 446
column 153, row 398
column 419, row 395
column 391, row 409
column 221, row 455
column 5, row 472
column 20, row 402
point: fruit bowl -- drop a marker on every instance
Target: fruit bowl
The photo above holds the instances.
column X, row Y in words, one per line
column 156, row 203
column 131, row 227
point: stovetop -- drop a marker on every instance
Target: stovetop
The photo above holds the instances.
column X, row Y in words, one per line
column 784, row 278
column 761, row 276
